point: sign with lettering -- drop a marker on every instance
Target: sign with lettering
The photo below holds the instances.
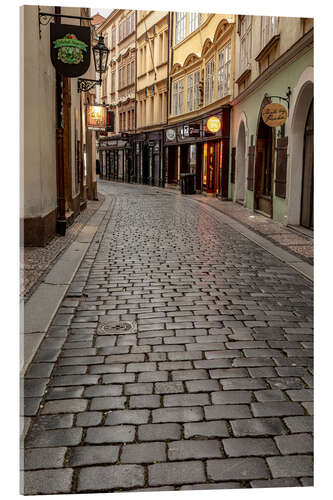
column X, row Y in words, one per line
column 274, row 114
column 213, row 124
column 70, row 49
column 96, row 117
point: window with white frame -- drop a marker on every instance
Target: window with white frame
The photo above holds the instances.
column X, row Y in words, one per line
column 223, row 71
column 113, row 82
column 269, row 28
column 180, row 28
column 178, row 97
column 209, row 81
column 193, row 92
column 194, row 21
column 113, row 38
column 245, row 42
column 132, row 72
column 227, row 64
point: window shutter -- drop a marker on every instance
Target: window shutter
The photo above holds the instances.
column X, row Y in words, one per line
column 250, row 168
column 281, row 167
column 233, row 165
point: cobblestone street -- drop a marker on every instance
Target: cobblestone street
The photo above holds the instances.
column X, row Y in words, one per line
column 180, row 358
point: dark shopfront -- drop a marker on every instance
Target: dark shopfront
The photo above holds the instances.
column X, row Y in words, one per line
column 148, row 148
column 200, row 147
column 115, row 156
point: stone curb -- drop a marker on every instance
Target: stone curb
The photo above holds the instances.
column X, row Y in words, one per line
column 38, row 312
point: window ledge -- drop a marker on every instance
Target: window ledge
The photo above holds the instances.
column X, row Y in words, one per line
column 243, row 76
column 268, row 48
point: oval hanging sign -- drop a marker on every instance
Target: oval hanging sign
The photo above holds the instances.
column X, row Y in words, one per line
column 274, row 114
column 213, row 124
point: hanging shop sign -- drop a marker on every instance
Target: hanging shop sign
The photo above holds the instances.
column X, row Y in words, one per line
column 213, row 124
column 96, row 117
column 70, row 49
column 170, row 134
column 274, row 114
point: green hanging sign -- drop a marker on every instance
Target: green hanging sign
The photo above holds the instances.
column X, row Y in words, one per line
column 70, row 49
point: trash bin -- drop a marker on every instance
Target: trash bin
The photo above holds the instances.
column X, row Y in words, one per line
column 187, row 183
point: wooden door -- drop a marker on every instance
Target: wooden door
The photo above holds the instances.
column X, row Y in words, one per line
column 307, row 184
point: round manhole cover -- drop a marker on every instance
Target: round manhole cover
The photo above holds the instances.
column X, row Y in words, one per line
column 116, row 327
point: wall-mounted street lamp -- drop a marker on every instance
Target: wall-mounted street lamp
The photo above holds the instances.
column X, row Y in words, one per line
column 101, row 54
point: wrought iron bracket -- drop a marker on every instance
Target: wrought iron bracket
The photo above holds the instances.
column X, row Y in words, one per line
column 85, row 84
column 287, row 98
column 44, row 18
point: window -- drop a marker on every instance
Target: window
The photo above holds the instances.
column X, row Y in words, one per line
column 178, row 97
column 223, row 72
column 129, row 74
column 113, row 82
column 180, row 26
column 209, row 82
column 113, row 38
column 193, row 93
column 245, row 42
column 194, row 21
column 269, row 28
column 132, row 73
column 227, row 63
column 122, row 30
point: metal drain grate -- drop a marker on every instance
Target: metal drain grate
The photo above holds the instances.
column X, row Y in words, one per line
column 116, row 327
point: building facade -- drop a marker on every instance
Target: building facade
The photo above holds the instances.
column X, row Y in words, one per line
column 118, row 91
column 152, row 95
column 58, row 161
column 201, row 88
column 272, row 167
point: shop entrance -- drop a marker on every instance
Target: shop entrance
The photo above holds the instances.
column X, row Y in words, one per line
column 172, row 164
column 307, row 181
column 263, row 200
column 210, row 178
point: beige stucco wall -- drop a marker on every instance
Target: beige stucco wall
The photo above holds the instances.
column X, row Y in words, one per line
column 38, row 119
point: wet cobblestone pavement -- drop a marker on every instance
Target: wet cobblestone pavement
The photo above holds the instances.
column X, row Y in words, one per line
column 35, row 261
column 180, row 358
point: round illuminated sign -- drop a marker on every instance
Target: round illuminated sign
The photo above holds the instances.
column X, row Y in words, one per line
column 171, row 134
column 274, row 114
column 213, row 124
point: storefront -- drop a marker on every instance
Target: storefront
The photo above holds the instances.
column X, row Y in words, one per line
column 200, row 147
column 115, row 159
column 148, row 162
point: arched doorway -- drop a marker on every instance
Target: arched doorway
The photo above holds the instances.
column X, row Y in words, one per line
column 240, row 165
column 302, row 97
column 264, row 166
column 307, row 178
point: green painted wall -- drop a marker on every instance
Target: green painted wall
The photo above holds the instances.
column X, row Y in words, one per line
column 278, row 85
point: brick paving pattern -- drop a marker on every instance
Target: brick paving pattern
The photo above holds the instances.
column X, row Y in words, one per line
column 180, row 358
column 35, row 261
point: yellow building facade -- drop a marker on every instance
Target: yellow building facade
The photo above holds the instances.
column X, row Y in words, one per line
column 201, row 67
column 152, row 46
